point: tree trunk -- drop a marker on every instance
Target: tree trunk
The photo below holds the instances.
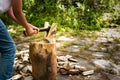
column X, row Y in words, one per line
column 43, row 58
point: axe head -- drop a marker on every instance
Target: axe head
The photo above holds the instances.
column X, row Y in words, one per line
column 45, row 30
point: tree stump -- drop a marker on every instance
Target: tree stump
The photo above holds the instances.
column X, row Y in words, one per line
column 43, row 56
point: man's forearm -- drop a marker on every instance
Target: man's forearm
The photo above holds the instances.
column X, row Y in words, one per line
column 11, row 15
column 17, row 11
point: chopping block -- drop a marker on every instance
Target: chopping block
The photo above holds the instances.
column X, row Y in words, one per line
column 43, row 56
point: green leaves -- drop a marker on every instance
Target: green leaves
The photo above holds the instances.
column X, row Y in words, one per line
column 73, row 14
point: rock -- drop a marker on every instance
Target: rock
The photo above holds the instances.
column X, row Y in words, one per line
column 94, row 48
column 101, row 63
column 29, row 68
column 110, row 40
column 64, row 38
column 28, row 78
column 107, row 66
column 111, row 76
column 100, row 54
column 71, row 71
column 114, row 69
column 25, row 69
column 72, row 60
column 82, row 42
column 107, row 16
column 81, row 68
column 74, row 71
column 60, row 63
column 21, row 66
column 22, row 52
column 65, row 58
column 61, row 58
column 101, row 40
column 68, row 56
column 88, row 72
column 63, row 71
column 73, row 48
column 25, row 58
column 16, row 64
column 113, row 25
column 111, row 33
column 68, row 66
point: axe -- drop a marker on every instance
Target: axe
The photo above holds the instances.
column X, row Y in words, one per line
column 41, row 30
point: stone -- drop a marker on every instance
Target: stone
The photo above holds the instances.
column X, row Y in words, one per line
column 21, row 66
column 63, row 71
column 112, row 77
column 88, row 72
column 68, row 66
column 107, row 66
column 100, row 54
column 101, row 40
column 74, row 71
column 29, row 68
column 81, row 68
column 64, row 38
column 28, row 78
column 61, row 58
column 103, row 64
column 72, row 60
column 25, row 58
column 25, row 69
column 94, row 48
column 73, row 48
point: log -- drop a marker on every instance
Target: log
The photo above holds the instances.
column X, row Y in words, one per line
column 43, row 57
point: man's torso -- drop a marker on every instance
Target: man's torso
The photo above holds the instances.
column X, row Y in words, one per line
column 4, row 5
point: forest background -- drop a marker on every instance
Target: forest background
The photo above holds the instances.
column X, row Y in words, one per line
column 71, row 14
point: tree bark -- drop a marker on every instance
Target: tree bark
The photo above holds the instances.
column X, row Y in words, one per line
column 43, row 58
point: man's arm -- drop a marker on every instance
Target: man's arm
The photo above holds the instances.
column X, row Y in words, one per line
column 16, row 14
column 11, row 15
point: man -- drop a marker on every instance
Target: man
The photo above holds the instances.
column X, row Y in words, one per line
column 13, row 8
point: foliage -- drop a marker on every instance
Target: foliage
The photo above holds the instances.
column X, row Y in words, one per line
column 75, row 14
column 72, row 14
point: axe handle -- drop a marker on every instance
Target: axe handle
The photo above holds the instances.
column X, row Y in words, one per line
column 41, row 30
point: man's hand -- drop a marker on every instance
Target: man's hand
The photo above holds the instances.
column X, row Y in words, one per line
column 31, row 30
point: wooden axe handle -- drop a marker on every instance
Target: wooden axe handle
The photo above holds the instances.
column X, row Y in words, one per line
column 41, row 30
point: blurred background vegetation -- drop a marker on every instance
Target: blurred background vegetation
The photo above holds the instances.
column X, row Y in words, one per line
column 71, row 14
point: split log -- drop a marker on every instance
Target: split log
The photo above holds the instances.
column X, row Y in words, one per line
column 43, row 57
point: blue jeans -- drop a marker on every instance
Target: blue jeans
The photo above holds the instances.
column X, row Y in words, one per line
column 7, row 53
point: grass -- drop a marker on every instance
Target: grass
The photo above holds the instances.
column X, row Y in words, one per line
column 66, row 44
column 16, row 32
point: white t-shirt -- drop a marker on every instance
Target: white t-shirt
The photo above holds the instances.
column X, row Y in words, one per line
column 4, row 5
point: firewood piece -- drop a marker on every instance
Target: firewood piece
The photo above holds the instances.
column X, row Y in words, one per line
column 46, row 25
column 43, row 59
column 28, row 78
column 16, row 77
column 72, row 60
column 81, row 68
column 50, row 37
column 74, row 71
column 63, row 71
column 88, row 72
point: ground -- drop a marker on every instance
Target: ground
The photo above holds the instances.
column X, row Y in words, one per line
column 98, row 51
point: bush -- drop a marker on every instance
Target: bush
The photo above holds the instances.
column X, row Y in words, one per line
column 74, row 14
